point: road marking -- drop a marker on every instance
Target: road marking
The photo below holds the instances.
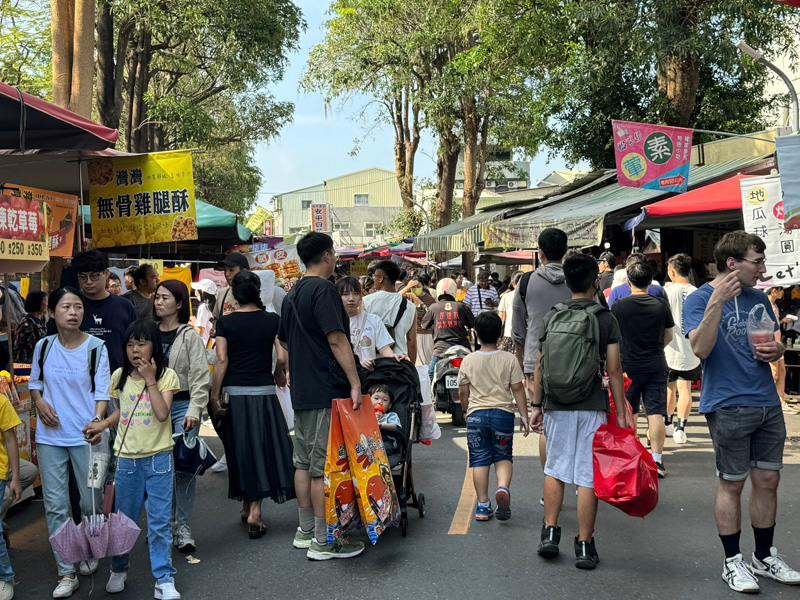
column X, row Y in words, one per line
column 465, row 508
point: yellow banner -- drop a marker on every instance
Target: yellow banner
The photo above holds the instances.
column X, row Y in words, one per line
column 157, row 264
column 142, row 199
column 257, row 219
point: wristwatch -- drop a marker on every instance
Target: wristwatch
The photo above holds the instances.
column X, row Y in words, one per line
column 535, row 405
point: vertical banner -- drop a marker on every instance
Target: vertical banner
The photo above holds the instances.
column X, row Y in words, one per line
column 762, row 210
column 61, row 216
column 789, row 162
column 319, row 218
column 268, row 228
column 652, row 156
column 255, row 222
column 143, row 199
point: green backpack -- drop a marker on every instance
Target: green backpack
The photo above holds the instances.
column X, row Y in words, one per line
column 571, row 354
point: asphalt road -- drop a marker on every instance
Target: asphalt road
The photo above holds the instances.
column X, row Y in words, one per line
column 674, row 553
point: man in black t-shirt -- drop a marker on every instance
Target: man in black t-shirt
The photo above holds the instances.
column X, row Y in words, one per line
column 450, row 320
column 315, row 329
column 646, row 324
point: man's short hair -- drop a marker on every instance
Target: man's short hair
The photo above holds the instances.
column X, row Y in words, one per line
column 312, row 246
column 552, row 243
column 140, row 274
column 580, row 271
column 496, row 274
column 129, row 271
column 489, row 327
column 483, row 275
column 640, row 275
column 682, row 263
column 736, row 244
column 390, row 269
column 90, row 261
column 516, row 276
column 635, row 257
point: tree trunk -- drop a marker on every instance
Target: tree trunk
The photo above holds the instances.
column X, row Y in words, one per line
column 679, row 80
column 62, row 23
column 405, row 119
column 679, row 76
column 446, row 165
column 111, row 65
column 139, row 130
column 82, row 88
column 129, row 85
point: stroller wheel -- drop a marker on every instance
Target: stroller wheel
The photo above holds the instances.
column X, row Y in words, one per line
column 403, row 525
column 421, row 505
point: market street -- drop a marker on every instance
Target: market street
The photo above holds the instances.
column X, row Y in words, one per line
column 673, row 553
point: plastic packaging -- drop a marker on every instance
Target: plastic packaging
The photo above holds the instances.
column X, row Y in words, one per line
column 625, row 474
column 760, row 328
column 630, row 419
column 99, row 457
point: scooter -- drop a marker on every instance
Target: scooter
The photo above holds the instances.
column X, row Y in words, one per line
column 445, row 384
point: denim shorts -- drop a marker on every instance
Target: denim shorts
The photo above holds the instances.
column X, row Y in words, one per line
column 747, row 437
column 651, row 390
column 490, row 436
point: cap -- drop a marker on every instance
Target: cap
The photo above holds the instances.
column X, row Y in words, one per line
column 607, row 257
column 235, row 259
column 205, row 285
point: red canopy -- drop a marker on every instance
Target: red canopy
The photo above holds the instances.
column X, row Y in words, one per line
column 724, row 195
column 30, row 123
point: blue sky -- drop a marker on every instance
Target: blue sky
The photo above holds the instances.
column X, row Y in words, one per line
column 316, row 147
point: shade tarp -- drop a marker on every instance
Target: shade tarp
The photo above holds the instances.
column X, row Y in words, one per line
column 584, row 216
column 462, row 236
column 30, row 123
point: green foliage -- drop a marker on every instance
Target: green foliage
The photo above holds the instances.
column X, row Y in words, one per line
column 406, row 223
column 25, row 46
column 227, row 177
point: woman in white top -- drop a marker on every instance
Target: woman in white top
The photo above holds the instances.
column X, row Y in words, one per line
column 207, row 291
column 368, row 334
column 68, row 398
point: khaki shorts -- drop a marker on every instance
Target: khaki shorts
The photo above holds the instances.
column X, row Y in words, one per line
column 311, row 429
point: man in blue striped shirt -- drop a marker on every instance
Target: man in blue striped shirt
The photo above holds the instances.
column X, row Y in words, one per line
column 482, row 296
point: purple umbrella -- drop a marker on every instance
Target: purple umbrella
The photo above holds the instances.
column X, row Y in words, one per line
column 70, row 543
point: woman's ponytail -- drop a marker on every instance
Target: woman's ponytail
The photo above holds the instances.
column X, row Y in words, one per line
column 246, row 288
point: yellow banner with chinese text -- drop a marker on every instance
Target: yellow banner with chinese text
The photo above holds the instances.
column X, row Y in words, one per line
column 143, row 199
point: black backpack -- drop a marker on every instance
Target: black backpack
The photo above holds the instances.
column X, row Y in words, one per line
column 95, row 348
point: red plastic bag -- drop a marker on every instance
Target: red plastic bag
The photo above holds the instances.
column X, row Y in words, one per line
column 625, row 474
column 630, row 419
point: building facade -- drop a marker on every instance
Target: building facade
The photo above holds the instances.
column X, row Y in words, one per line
column 359, row 204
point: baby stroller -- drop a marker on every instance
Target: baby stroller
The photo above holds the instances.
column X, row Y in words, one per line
column 403, row 381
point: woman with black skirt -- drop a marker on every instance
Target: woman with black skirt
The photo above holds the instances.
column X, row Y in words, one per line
column 254, row 431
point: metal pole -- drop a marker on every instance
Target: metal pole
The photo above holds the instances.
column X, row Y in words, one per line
column 758, row 57
column 82, row 235
column 8, row 330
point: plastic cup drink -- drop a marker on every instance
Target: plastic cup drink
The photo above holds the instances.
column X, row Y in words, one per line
column 761, row 337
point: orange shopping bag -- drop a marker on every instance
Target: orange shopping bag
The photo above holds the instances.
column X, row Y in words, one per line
column 357, row 473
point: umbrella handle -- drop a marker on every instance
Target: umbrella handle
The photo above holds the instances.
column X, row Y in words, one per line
column 91, row 463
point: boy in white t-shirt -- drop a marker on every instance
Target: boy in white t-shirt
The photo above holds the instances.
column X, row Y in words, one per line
column 490, row 381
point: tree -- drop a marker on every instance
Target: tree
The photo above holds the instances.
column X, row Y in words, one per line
column 666, row 61
column 25, row 60
column 73, row 54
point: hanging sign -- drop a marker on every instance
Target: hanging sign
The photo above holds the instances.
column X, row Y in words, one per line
column 652, row 156
column 142, row 199
column 23, row 234
column 255, row 222
column 319, row 218
column 60, row 213
column 762, row 210
column 284, row 261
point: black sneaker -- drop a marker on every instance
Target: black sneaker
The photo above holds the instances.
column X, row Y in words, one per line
column 551, row 536
column 662, row 472
column 585, row 554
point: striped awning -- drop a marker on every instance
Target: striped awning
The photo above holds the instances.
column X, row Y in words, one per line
column 462, row 236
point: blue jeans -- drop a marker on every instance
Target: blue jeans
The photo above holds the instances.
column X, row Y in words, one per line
column 432, row 367
column 54, row 464
column 6, row 574
column 490, row 437
column 183, row 498
column 148, row 481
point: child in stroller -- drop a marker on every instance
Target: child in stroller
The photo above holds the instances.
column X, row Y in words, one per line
column 399, row 381
column 382, row 399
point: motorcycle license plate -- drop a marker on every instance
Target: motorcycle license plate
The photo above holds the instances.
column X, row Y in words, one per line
column 451, row 382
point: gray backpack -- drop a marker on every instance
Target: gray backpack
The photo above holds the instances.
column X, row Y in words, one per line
column 570, row 366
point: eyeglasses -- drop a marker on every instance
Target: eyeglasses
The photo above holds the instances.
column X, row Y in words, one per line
column 84, row 277
column 758, row 262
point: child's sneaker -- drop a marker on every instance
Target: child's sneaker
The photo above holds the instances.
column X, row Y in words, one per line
column 503, row 499
column 484, row 512
column 548, row 546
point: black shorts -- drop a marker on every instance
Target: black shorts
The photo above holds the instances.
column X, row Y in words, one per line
column 649, row 389
column 695, row 374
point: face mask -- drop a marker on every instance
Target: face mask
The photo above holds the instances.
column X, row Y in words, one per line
column 417, row 291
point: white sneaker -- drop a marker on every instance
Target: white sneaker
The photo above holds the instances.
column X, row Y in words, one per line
column 775, row 568
column 736, row 573
column 116, row 583
column 166, row 591
column 88, row 567
column 220, row 466
column 669, row 430
column 6, row 590
column 679, row 437
column 66, row 587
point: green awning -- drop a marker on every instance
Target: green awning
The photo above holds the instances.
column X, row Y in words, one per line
column 583, row 216
column 461, row 236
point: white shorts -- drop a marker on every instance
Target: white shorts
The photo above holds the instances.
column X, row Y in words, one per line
column 569, row 437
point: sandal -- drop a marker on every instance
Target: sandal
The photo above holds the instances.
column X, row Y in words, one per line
column 257, row 531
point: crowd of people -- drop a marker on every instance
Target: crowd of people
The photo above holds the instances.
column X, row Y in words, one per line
column 549, row 345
